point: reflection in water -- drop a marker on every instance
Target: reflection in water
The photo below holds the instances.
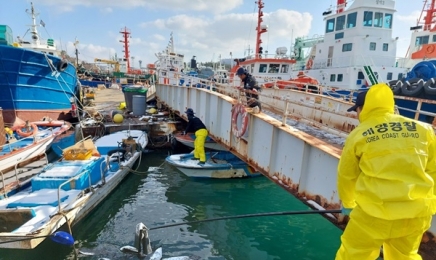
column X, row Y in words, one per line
column 168, row 196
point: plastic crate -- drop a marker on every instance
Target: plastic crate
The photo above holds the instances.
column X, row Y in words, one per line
column 77, row 154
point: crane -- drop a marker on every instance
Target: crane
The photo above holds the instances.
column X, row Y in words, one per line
column 116, row 63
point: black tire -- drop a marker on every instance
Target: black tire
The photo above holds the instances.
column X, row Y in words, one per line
column 62, row 65
column 119, row 150
column 413, row 87
column 430, row 87
column 396, row 85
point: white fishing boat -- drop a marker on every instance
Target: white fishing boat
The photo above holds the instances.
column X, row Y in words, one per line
column 67, row 190
column 29, row 140
column 220, row 165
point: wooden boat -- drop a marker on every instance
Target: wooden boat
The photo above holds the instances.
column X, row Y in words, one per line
column 67, row 190
column 219, row 164
column 189, row 139
column 26, row 142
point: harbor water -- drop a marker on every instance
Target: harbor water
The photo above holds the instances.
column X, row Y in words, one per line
column 167, row 196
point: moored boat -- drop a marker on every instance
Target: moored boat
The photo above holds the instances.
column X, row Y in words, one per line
column 28, row 141
column 67, row 190
column 189, row 138
column 36, row 80
column 220, row 165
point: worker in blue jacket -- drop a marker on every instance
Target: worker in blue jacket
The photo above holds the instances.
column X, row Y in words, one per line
column 196, row 125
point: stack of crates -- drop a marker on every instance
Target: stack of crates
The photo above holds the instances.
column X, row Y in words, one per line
column 6, row 37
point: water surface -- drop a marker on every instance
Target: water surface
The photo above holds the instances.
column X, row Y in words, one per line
column 167, row 196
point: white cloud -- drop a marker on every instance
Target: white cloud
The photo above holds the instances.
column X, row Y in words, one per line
column 107, row 10
column 176, row 5
column 207, row 37
column 409, row 18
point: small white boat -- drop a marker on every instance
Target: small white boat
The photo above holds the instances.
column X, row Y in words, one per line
column 189, row 138
column 26, row 142
column 219, row 164
column 67, row 190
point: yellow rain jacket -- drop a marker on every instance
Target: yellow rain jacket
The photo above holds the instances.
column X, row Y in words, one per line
column 388, row 164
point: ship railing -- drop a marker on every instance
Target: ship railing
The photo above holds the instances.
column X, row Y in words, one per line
column 70, row 180
column 351, row 61
column 17, row 172
column 339, row 95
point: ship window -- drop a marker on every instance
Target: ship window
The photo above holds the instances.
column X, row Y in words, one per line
column 340, row 23
column 400, row 76
column 339, row 35
column 388, row 21
column 421, row 40
column 340, row 77
column 389, row 76
column 367, row 18
column 284, row 68
column 262, row 68
column 347, row 47
column 333, row 77
column 372, row 46
column 351, row 20
column 378, row 20
column 434, row 38
column 330, row 26
column 385, row 46
column 360, row 75
column 274, row 68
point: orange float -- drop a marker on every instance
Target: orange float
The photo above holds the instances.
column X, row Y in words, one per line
column 29, row 133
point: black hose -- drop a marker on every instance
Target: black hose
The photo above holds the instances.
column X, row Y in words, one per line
column 253, row 215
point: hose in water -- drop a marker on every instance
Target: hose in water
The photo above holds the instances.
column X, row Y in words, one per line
column 304, row 212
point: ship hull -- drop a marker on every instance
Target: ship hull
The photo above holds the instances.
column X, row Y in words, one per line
column 34, row 85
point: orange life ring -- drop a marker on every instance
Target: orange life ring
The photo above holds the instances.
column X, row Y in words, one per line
column 27, row 134
column 239, row 110
column 309, row 64
column 430, row 49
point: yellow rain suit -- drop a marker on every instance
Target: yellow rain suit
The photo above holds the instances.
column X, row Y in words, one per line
column 200, row 139
column 387, row 174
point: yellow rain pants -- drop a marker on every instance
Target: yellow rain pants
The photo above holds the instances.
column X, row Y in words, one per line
column 364, row 235
column 200, row 139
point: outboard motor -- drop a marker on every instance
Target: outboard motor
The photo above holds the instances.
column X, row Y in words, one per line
column 142, row 241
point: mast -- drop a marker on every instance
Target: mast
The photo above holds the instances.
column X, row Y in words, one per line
column 126, row 35
column 429, row 16
column 33, row 30
column 341, row 6
column 259, row 29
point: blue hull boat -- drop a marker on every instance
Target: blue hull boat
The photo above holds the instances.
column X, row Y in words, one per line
column 66, row 191
column 36, row 81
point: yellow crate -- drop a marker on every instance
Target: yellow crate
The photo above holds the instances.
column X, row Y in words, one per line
column 77, row 154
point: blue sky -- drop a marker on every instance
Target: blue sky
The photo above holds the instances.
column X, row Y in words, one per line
column 207, row 29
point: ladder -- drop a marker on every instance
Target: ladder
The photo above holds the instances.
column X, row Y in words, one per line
column 369, row 75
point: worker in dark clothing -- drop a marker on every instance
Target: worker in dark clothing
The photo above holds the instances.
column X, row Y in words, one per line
column 249, row 83
column 195, row 125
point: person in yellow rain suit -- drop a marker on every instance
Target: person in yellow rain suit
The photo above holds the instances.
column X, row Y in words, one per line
column 195, row 125
column 386, row 179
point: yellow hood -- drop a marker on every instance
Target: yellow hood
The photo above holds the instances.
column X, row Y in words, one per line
column 378, row 100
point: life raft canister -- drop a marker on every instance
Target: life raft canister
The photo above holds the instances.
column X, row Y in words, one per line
column 237, row 110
